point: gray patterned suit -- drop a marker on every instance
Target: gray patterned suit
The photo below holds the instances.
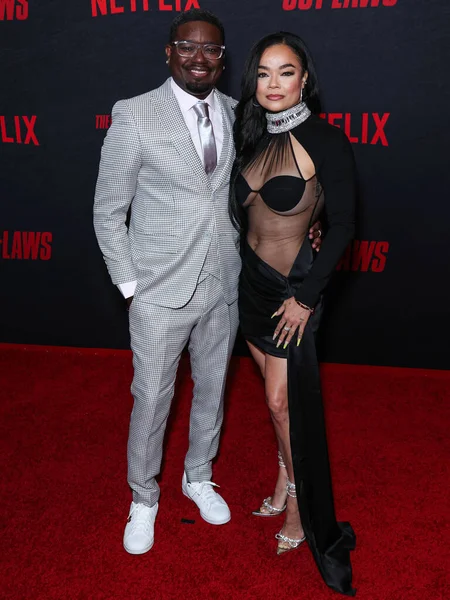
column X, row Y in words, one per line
column 181, row 249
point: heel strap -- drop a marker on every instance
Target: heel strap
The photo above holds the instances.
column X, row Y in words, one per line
column 280, row 460
column 291, row 489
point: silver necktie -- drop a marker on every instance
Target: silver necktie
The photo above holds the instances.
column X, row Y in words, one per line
column 206, row 133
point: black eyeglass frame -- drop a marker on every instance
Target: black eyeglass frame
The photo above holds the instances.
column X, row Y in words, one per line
column 197, row 46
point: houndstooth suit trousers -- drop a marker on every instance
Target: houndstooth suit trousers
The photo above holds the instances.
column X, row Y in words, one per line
column 158, row 336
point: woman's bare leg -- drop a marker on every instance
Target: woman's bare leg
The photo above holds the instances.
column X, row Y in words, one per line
column 279, row 495
column 277, row 400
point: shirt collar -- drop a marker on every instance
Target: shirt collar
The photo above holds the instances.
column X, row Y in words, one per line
column 187, row 101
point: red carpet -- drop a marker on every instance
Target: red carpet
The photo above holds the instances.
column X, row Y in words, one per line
column 64, row 420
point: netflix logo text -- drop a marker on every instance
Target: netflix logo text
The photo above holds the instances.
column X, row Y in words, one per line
column 18, row 130
column 102, row 121
column 318, row 4
column 11, row 10
column 364, row 256
column 26, row 245
column 117, row 7
column 366, row 128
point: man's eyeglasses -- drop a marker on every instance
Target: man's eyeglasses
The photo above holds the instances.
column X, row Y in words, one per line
column 190, row 49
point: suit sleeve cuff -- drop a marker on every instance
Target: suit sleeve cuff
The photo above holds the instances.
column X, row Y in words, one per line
column 128, row 288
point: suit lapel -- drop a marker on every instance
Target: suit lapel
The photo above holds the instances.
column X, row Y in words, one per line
column 173, row 122
column 223, row 169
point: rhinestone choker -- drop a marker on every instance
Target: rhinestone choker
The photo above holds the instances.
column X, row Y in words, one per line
column 287, row 119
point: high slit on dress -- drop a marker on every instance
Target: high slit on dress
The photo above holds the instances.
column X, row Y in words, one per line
column 278, row 202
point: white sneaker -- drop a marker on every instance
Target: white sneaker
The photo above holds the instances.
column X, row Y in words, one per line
column 139, row 531
column 213, row 508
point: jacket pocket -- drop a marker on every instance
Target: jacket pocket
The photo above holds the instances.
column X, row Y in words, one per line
column 151, row 243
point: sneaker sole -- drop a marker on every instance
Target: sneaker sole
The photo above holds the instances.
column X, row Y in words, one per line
column 203, row 516
column 136, row 552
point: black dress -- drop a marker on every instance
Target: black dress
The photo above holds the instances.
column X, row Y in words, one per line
column 278, row 263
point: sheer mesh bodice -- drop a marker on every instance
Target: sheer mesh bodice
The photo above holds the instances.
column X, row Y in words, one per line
column 281, row 205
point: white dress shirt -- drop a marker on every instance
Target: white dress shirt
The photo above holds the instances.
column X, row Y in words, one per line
column 187, row 102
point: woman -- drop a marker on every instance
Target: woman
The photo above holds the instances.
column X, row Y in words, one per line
column 289, row 165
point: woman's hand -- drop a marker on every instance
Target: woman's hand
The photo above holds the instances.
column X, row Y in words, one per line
column 315, row 234
column 293, row 318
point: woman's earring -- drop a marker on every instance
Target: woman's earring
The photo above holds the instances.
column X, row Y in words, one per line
column 301, row 90
column 256, row 104
column 167, row 61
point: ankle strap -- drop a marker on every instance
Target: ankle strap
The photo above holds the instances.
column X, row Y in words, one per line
column 280, row 460
column 291, row 489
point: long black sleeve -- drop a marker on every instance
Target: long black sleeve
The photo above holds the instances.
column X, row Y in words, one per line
column 332, row 155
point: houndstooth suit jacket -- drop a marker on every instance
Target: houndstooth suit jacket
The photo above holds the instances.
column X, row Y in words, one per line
column 148, row 160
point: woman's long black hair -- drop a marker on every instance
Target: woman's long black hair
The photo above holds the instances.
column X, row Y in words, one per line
column 250, row 126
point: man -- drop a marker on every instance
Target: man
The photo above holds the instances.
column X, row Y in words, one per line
column 169, row 152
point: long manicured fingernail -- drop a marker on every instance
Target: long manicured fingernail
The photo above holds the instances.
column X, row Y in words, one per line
column 298, row 341
column 274, row 315
column 278, row 343
column 285, row 346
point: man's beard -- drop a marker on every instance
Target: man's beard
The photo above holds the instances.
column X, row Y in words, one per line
column 198, row 87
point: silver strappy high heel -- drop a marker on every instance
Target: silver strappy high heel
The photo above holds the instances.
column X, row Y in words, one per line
column 267, row 509
column 285, row 543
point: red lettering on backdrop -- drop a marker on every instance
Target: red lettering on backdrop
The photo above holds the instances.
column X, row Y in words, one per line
column 13, row 9
column 31, row 243
column 353, row 140
column 5, row 138
column 379, row 121
column 26, row 245
column 46, row 249
column 16, row 247
column 379, row 262
column 99, row 4
column 7, row 9
column 115, row 10
column 4, row 242
column 365, row 127
column 22, row 10
column 29, row 126
column 318, row 4
column 361, row 3
column 380, row 124
column 364, row 256
column 102, row 121
column 101, row 7
column 18, row 132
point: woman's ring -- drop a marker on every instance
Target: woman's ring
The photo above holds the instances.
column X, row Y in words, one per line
column 319, row 231
column 287, row 328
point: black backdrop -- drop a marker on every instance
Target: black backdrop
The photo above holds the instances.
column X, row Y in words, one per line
column 383, row 66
